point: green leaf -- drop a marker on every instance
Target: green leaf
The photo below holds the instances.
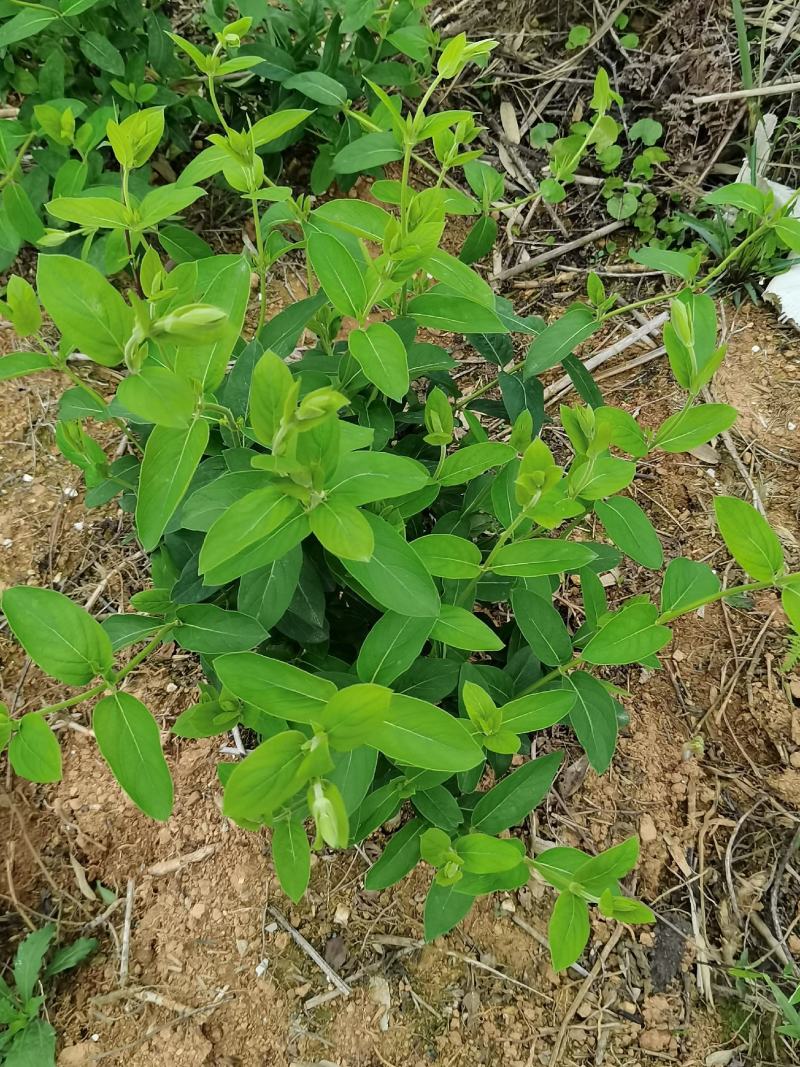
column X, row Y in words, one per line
column 457, row 276
column 790, row 599
column 568, row 931
column 101, row 52
column 58, row 635
column 28, row 22
column 271, row 127
column 679, row 264
column 484, row 854
column 694, row 426
column 687, row 584
column 33, row 750
column 266, row 593
column 212, row 630
column 382, row 357
column 537, row 711
column 20, row 364
column 750, row 539
column 222, row 282
column 165, row 201
column 170, row 459
column 391, row 647
column 646, row 130
column 318, row 87
column 514, row 797
column 631, row 530
column 274, row 686
column 291, row 855
column 340, row 274
column 85, row 307
column 266, row 778
column 35, row 1046
column 459, row 628
column 422, row 735
column 593, row 717
column 124, row 630
column 94, row 212
column 158, row 395
column 629, row 635
column 128, row 739
column 365, row 477
column 69, row 956
column 437, row 311
column 400, row 855
column 559, row 339
column 540, row 556
column 469, row 462
column 28, row 960
column 740, row 195
column 353, row 713
column 542, row 627
column 448, row 556
column 359, row 217
column 788, row 229
column 604, row 870
column 395, row 576
column 444, row 909
column 243, row 525
column 372, row 150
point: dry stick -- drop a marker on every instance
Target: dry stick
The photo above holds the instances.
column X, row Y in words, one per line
column 608, row 353
column 743, row 94
column 310, row 951
column 584, row 989
column 554, row 253
column 124, row 955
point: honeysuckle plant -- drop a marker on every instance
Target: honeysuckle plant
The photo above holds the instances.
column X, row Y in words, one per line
column 370, row 582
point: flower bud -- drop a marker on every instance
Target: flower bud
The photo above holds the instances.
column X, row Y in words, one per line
column 194, row 322
column 329, row 813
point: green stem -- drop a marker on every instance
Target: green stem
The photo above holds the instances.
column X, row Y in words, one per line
column 151, row 646
column 262, row 269
column 23, row 148
column 86, row 694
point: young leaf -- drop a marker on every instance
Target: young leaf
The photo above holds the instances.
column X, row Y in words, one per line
column 58, row 635
column 128, row 739
column 568, row 930
column 750, row 539
column 266, row 593
column 630, row 634
column 542, row 627
column 353, row 713
column 318, row 87
column 459, row 628
column 444, row 909
column 400, row 855
column 631, row 530
column 422, row 735
column 291, row 855
column 484, row 854
column 439, row 311
column 69, row 956
column 170, row 459
column 391, row 647
column 515, row 796
column 382, row 357
column 33, row 750
column 276, row 687
column 395, row 575
column 604, row 870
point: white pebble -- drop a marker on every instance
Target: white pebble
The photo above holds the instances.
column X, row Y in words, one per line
column 78, row 526
column 261, row 968
column 70, row 493
column 28, row 478
column 7, row 543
